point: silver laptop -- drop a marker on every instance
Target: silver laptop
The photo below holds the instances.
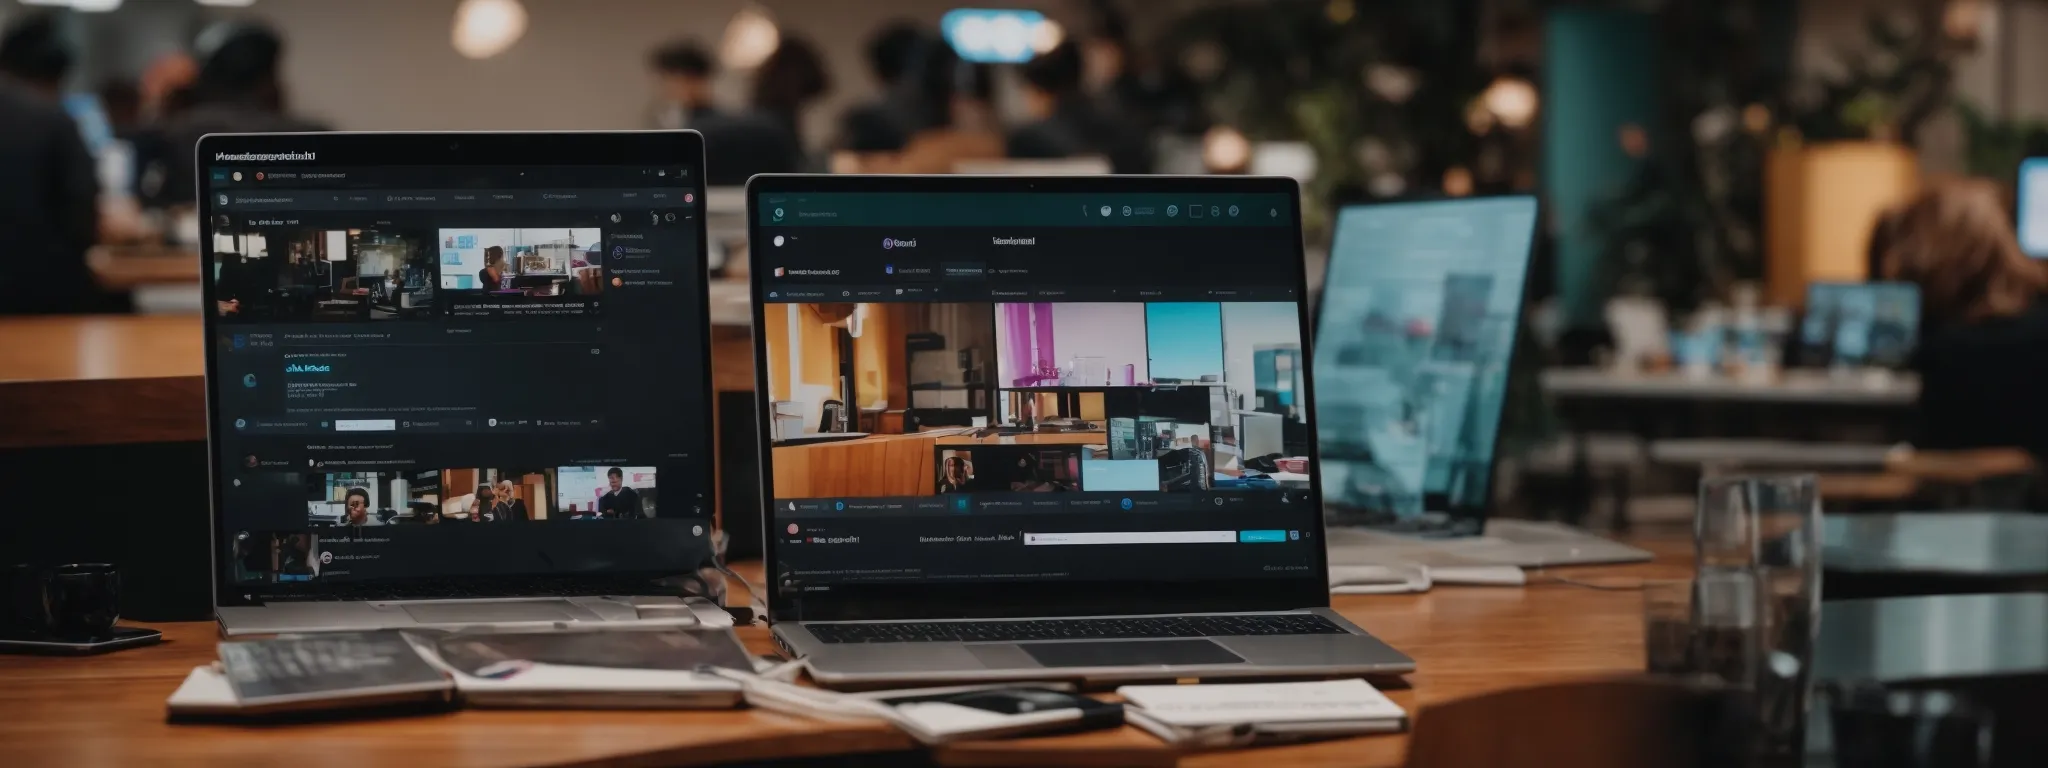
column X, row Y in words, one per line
column 455, row 380
column 1416, row 335
column 1058, row 377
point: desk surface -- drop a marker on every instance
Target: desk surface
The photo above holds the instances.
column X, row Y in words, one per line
column 1466, row 641
column 1792, row 386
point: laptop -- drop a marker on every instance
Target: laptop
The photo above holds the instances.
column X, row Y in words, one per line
column 1057, row 375
column 1859, row 325
column 1416, row 336
column 451, row 450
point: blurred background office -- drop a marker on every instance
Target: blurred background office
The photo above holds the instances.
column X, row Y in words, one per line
column 1720, row 179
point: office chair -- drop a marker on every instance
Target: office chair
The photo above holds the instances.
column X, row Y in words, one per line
column 828, row 420
column 1617, row 723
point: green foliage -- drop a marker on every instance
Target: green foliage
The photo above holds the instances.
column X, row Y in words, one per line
column 1997, row 146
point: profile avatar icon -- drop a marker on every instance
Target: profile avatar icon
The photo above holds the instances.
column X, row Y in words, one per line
column 1126, row 504
column 327, row 558
column 223, row 199
column 792, row 528
column 839, row 506
column 249, row 380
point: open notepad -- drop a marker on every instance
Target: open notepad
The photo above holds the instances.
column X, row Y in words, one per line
column 1219, row 715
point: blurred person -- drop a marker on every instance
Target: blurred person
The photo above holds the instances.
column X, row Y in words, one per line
column 964, row 128
column 510, row 507
column 956, row 477
column 1125, row 82
column 787, row 82
column 1984, row 318
column 620, row 502
column 49, row 187
column 237, row 90
column 484, row 509
column 884, row 124
column 357, row 502
column 166, row 92
column 1065, row 122
column 33, row 55
column 121, row 99
column 683, row 72
column 492, row 276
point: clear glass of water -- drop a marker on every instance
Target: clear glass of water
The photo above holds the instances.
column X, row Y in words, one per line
column 1761, row 533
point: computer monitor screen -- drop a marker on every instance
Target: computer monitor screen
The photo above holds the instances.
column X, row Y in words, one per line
column 430, row 366
column 1858, row 325
column 1416, row 333
column 2032, row 206
column 1062, row 392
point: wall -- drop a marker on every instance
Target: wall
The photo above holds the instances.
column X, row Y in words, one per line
column 1248, row 326
column 1113, row 332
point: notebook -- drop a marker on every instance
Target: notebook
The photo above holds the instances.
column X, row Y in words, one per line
column 1220, row 715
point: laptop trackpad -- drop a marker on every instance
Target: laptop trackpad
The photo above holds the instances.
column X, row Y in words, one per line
column 488, row 613
column 1130, row 653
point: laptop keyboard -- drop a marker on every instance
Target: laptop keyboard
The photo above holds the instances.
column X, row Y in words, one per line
column 1075, row 629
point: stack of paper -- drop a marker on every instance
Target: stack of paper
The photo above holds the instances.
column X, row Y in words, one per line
column 1236, row 715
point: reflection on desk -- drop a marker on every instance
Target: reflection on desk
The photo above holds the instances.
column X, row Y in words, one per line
column 1906, row 639
column 1950, row 543
column 1891, row 389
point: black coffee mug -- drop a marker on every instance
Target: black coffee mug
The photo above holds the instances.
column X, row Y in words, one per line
column 85, row 600
column 25, row 611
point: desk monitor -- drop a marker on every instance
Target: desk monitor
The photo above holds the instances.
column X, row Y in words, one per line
column 2032, row 206
column 1859, row 325
column 1415, row 336
column 380, row 425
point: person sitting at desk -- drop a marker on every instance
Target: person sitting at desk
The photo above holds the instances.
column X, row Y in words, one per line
column 492, row 276
column 509, row 508
column 1983, row 316
column 621, row 502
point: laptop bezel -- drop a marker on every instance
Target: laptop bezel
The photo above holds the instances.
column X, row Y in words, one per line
column 675, row 148
column 1459, row 516
column 911, row 601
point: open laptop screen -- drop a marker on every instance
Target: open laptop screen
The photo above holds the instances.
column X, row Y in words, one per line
column 1079, row 389
column 1859, row 325
column 431, row 362
column 1418, row 318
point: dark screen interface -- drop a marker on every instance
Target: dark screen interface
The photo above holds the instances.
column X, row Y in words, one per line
column 457, row 372
column 1419, row 312
column 1034, row 387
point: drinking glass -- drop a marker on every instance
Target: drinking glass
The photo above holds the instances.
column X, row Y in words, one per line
column 1762, row 534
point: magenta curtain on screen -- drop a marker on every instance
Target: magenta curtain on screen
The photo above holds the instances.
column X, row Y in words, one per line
column 1030, row 343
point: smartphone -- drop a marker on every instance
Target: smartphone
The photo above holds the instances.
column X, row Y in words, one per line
column 119, row 638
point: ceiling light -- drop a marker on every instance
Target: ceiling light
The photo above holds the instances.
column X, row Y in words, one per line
column 486, row 28
column 93, row 6
column 1225, row 150
column 1047, row 36
column 999, row 37
column 1513, row 100
column 750, row 38
column 227, row 3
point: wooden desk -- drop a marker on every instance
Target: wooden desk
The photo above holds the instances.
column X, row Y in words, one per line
column 101, row 380
column 127, row 267
column 1466, row 641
